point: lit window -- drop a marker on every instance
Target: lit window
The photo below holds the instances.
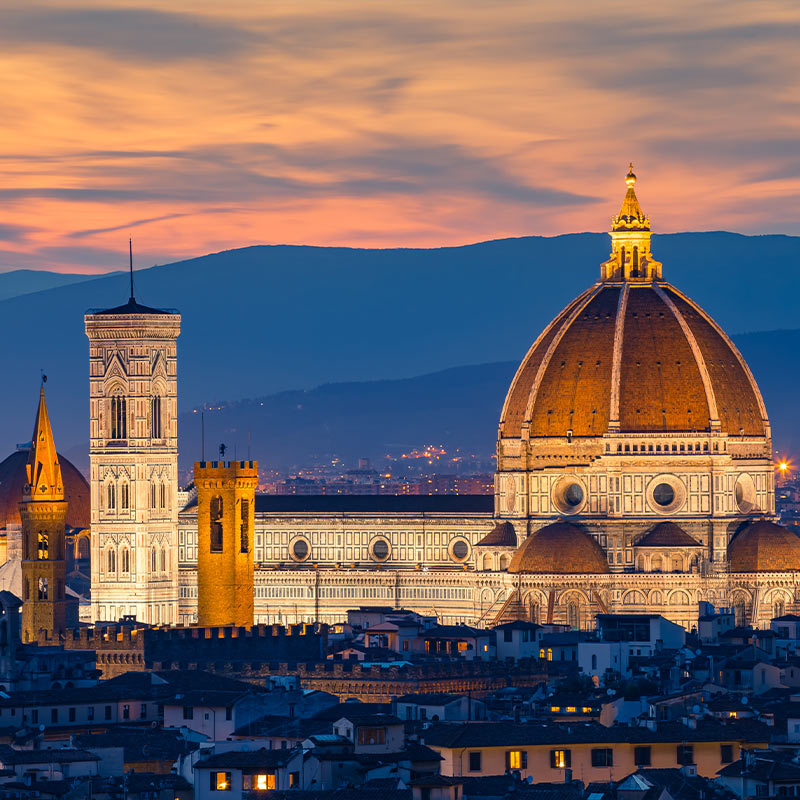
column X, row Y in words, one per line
column 516, row 759
column 220, row 781
column 571, row 709
column 549, row 653
column 586, row 710
column 555, row 709
column 560, row 759
column 541, row 653
column 264, row 782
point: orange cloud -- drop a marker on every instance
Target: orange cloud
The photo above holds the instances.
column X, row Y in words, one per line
column 208, row 127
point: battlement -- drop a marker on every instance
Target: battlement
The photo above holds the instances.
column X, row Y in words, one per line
column 226, row 469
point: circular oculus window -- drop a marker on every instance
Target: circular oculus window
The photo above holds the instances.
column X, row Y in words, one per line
column 379, row 550
column 666, row 494
column 569, row 495
column 300, row 550
column 459, row 550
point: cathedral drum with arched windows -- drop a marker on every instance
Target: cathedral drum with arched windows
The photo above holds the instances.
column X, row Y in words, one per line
column 634, row 418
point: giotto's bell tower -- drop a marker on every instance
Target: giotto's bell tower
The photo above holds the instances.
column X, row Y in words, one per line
column 134, row 462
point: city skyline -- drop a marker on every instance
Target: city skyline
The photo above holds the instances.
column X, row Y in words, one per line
column 197, row 130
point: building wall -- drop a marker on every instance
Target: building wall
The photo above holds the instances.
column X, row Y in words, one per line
column 707, row 757
column 133, row 480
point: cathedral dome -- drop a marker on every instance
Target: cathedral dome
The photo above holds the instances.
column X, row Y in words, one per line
column 559, row 549
column 764, row 546
column 12, row 481
column 632, row 354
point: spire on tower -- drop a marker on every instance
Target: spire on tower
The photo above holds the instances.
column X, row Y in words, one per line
column 630, row 217
column 43, row 472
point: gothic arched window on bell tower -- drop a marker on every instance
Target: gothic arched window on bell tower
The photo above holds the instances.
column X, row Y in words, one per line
column 125, row 498
column 126, row 560
column 155, row 418
column 43, row 588
column 44, row 546
column 112, row 497
column 111, row 558
column 119, row 421
column 215, row 519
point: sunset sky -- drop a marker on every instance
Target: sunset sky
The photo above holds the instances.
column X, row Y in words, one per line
column 202, row 126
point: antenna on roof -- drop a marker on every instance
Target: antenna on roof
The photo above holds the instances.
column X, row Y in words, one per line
column 130, row 264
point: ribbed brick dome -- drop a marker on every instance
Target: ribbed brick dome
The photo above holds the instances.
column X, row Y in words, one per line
column 675, row 370
column 559, row 549
column 632, row 355
column 764, row 546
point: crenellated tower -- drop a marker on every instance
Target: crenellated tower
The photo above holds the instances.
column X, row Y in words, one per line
column 225, row 520
column 134, row 462
column 43, row 512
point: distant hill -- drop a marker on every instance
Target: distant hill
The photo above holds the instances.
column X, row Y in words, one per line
column 261, row 320
column 26, row 281
column 458, row 408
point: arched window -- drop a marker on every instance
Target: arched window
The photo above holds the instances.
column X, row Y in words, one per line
column 504, row 562
column 111, row 560
column 44, row 546
column 215, row 518
column 126, row 560
column 125, row 499
column 119, row 420
column 163, row 560
column 640, row 563
column 656, row 564
column 778, row 609
column 152, row 495
column 155, row 418
column 635, row 272
column 245, row 527
column 163, row 495
column 43, row 588
column 112, row 496
column 677, row 563
column 740, row 612
column 153, row 559
column 573, row 615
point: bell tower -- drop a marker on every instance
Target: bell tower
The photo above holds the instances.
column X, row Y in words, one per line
column 225, row 519
column 43, row 512
column 133, row 450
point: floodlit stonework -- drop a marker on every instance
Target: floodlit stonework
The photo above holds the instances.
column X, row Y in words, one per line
column 133, row 462
column 634, row 474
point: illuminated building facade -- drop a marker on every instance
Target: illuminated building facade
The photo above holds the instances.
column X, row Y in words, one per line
column 634, row 474
column 133, row 462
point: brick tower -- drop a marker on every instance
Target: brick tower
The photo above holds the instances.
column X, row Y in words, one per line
column 225, row 519
column 43, row 512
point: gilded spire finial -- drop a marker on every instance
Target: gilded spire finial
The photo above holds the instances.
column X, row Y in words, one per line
column 630, row 236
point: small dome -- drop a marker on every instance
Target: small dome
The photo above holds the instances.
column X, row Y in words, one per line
column 764, row 546
column 559, row 549
column 12, row 480
column 502, row 535
column 667, row 534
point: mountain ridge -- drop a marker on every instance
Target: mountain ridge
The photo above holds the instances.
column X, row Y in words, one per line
column 266, row 318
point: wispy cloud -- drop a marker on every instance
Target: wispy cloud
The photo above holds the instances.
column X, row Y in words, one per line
column 347, row 122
